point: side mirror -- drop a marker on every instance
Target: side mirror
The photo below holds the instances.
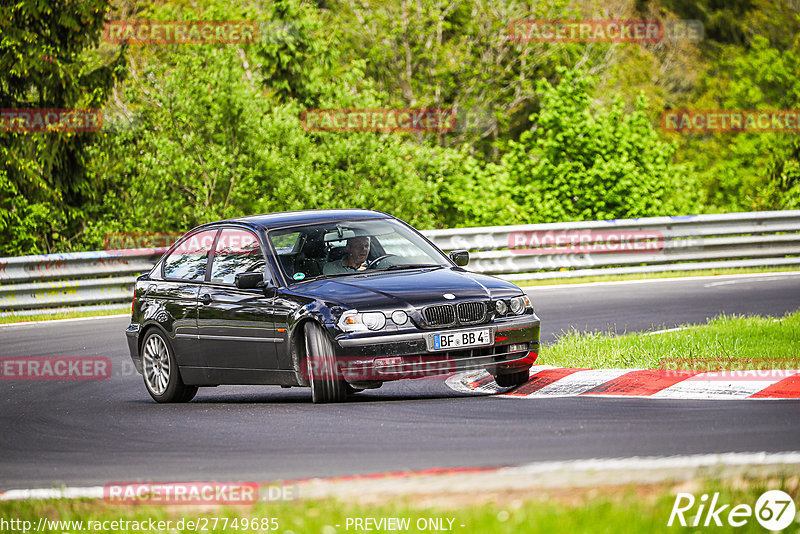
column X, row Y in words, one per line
column 256, row 281
column 249, row 280
column 460, row 257
column 269, row 289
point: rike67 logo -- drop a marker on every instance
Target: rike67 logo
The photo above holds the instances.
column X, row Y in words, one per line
column 774, row 510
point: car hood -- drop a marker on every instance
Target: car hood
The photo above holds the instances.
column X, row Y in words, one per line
column 409, row 288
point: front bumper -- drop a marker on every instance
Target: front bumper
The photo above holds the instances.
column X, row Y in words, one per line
column 369, row 357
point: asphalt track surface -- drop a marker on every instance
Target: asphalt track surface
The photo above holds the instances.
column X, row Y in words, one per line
column 95, row 432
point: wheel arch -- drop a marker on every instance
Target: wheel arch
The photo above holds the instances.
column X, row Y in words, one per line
column 309, row 310
column 145, row 330
column 298, row 341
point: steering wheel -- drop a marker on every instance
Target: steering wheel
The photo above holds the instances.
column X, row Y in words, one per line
column 371, row 264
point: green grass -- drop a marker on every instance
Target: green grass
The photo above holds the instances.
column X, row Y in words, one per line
column 614, row 509
column 651, row 276
column 749, row 341
column 68, row 315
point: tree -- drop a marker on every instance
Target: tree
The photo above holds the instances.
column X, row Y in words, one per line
column 749, row 171
column 459, row 55
column 215, row 140
column 46, row 61
column 581, row 164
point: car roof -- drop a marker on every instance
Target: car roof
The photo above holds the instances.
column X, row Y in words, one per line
column 270, row 221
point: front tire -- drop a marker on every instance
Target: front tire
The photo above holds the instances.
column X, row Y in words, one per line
column 350, row 390
column 160, row 371
column 512, row 379
column 326, row 385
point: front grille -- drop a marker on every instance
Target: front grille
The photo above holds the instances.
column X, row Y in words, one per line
column 445, row 314
column 442, row 315
column 471, row 312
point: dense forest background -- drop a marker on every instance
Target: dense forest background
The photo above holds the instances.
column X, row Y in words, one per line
column 553, row 132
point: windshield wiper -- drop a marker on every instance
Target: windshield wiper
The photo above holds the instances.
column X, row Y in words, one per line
column 331, row 275
column 401, row 266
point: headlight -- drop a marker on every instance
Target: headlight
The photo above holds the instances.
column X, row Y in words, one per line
column 501, row 307
column 519, row 304
column 399, row 317
column 374, row 320
column 353, row 321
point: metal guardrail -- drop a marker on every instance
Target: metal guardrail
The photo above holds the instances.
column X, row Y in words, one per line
column 104, row 279
column 54, row 283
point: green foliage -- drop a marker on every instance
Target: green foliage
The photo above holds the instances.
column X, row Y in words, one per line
column 582, row 164
column 203, row 132
column 724, row 21
column 459, row 55
column 212, row 143
column 43, row 183
column 749, row 171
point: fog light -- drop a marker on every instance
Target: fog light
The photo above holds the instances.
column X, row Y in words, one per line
column 388, row 362
column 387, row 365
column 519, row 347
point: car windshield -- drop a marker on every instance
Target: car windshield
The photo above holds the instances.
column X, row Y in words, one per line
column 351, row 247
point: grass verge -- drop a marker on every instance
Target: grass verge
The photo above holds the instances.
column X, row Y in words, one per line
column 68, row 315
column 630, row 509
column 747, row 341
column 652, row 276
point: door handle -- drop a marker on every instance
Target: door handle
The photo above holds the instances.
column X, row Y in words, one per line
column 206, row 299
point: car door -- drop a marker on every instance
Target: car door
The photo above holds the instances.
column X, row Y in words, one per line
column 174, row 290
column 235, row 326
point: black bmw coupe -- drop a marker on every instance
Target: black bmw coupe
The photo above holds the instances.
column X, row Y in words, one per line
column 336, row 300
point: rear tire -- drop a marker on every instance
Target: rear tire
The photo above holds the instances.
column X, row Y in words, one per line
column 323, row 375
column 512, row 379
column 160, row 370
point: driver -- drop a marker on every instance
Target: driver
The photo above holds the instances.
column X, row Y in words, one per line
column 357, row 249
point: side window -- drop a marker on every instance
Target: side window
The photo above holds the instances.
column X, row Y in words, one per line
column 188, row 260
column 237, row 252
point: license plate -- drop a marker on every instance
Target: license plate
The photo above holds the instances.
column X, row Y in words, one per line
column 460, row 340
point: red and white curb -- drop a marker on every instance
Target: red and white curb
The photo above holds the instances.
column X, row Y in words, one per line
column 549, row 381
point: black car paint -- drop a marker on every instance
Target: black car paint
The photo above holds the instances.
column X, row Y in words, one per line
column 266, row 355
